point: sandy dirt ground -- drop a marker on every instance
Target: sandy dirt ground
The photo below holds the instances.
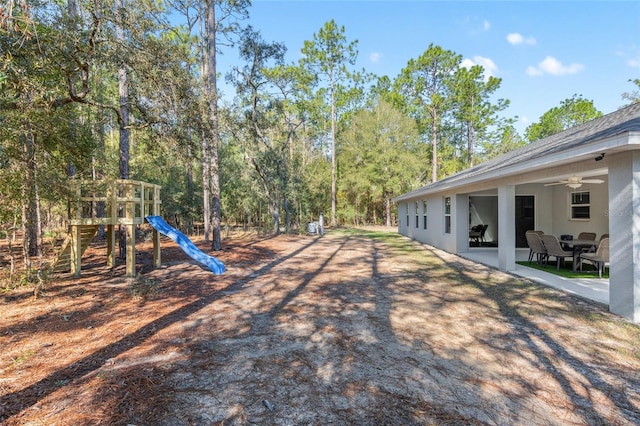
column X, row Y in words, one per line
column 359, row 327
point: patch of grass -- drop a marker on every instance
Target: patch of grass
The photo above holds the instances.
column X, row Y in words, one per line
column 23, row 357
column 565, row 271
column 141, row 287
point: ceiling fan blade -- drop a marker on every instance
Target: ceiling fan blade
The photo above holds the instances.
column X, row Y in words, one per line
column 591, row 181
column 556, row 183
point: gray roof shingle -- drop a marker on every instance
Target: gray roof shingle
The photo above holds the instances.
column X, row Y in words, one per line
column 624, row 120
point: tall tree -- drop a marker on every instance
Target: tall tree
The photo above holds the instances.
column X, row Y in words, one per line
column 261, row 126
column 506, row 139
column 220, row 19
column 381, row 153
column 328, row 56
column 426, row 84
column 571, row 112
column 473, row 108
column 123, row 94
column 38, row 81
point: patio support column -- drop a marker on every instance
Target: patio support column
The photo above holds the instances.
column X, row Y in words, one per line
column 507, row 227
column 462, row 223
column 624, row 229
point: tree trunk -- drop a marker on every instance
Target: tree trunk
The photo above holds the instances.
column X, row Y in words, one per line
column 98, row 174
column 29, row 204
column 212, row 100
column 287, row 214
column 72, row 10
column 274, row 209
column 123, row 91
column 206, row 185
column 387, row 209
column 190, row 185
column 434, row 147
column 333, row 157
column 471, row 135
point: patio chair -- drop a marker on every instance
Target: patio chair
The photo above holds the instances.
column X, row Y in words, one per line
column 475, row 233
column 482, row 232
column 534, row 241
column 600, row 258
column 554, row 249
column 592, row 249
column 587, row 236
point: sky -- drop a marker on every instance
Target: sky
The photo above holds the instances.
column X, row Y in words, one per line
column 544, row 51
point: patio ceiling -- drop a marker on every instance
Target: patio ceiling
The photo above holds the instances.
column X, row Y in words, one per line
column 586, row 174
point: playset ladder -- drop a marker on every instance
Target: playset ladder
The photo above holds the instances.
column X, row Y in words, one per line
column 74, row 246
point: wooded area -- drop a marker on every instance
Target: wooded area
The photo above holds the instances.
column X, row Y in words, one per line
column 118, row 89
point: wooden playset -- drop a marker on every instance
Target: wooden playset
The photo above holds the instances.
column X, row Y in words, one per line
column 122, row 203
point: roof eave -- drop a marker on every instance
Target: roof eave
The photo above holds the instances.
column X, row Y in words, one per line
column 621, row 142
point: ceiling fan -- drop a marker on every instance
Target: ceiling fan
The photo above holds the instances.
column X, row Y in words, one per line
column 574, row 182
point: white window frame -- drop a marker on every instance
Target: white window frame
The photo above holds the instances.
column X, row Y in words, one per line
column 407, row 214
column 573, row 205
column 424, row 214
column 447, row 215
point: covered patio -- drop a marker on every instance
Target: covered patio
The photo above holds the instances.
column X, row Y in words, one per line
column 585, row 179
column 596, row 289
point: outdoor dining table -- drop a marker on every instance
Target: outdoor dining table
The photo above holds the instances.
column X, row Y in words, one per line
column 576, row 245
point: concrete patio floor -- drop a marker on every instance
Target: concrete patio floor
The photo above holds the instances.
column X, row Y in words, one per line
column 596, row 289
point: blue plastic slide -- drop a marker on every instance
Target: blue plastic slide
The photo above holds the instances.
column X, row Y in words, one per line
column 186, row 244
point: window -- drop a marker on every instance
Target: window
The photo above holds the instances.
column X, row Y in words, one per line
column 407, row 215
column 447, row 215
column 424, row 214
column 580, row 205
column 417, row 217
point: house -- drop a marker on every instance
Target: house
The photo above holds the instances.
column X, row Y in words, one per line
column 586, row 178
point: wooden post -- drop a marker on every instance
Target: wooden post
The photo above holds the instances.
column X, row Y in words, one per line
column 111, row 246
column 157, row 261
column 155, row 210
column 76, row 250
column 130, row 230
column 131, row 250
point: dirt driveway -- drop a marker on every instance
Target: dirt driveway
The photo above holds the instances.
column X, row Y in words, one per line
column 357, row 327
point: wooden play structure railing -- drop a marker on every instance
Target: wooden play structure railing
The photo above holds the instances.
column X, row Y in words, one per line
column 125, row 203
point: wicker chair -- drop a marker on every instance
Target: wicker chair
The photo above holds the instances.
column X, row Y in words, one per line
column 554, row 249
column 600, row 258
column 587, row 236
column 536, row 247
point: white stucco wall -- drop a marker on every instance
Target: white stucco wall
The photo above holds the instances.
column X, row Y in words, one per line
column 543, row 196
column 599, row 221
column 551, row 215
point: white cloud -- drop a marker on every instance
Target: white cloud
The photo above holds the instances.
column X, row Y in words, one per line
column 490, row 67
column 634, row 62
column 630, row 55
column 467, row 63
column 375, row 57
column 517, row 38
column 551, row 65
column 533, row 71
column 475, row 25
